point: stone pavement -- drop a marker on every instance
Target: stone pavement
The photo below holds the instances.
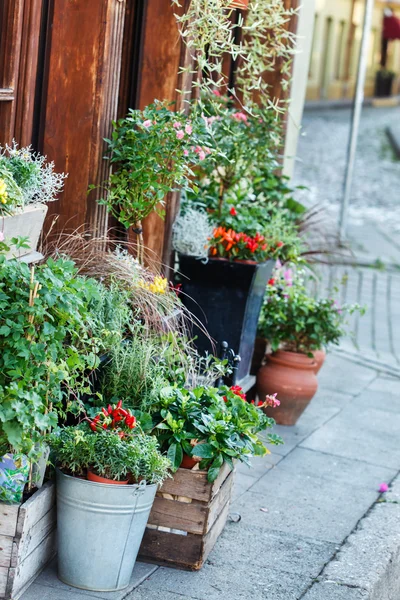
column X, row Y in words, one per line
column 301, row 508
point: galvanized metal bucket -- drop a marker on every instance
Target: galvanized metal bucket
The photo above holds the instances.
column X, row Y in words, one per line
column 100, row 529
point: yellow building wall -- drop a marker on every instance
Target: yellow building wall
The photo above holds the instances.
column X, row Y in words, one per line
column 336, row 45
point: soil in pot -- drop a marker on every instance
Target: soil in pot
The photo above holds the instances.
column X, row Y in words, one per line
column 292, row 376
column 93, row 477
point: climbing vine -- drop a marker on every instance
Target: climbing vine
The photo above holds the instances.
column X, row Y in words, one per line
column 258, row 42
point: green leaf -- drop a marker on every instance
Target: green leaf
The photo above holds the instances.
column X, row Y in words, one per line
column 175, row 455
column 203, row 450
column 215, row 468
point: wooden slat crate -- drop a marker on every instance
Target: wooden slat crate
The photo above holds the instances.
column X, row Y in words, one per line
column 187, row 518
column 27, row 540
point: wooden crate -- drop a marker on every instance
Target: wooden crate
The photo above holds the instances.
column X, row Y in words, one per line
column 187, row 518
column 27, row 540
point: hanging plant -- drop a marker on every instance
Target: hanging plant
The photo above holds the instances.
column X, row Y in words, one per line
column 210, row 33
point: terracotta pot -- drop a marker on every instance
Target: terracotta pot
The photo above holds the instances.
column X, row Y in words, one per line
column 292, row 376
column 93, row 477
column 319, row 359
column 243, row 4
column 188, row 462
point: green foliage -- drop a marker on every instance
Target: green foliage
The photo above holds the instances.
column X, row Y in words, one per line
column 46, row 347
column 135, row 456
column 133, row 373
column 211, row 33
column 151, row 152
column 293, row 320
column 216, row 425
column 26, row 177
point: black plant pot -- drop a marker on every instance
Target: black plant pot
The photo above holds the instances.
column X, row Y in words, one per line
column 226, row 297
column 383, row 84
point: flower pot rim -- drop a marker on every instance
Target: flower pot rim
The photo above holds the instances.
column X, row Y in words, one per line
column 95, row 483
column 105, row 480
column 296, row 360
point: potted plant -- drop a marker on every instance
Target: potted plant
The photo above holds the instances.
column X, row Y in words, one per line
column 211, row 426
column 107, row 477
column 297, row 327
column 27, row 183
column 204, row 431
column 152, row 152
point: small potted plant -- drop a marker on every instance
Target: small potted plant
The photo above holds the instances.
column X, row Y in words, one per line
column 297, row 327
column 211, row 427
column 107, row 477
column 27, row 183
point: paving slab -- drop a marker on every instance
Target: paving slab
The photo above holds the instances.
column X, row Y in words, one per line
column 255, row 582
column 58, row 590
column 342, row 375
column 350, row 472
column 305, row 505
column 370, row 435
column 370, row 557
column 334, row 591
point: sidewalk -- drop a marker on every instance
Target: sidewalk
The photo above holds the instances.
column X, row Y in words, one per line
column 300, row 508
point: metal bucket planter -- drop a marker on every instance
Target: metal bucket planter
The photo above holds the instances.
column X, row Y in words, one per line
column 100, row 528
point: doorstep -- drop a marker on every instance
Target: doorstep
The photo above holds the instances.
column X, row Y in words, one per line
column 48, row 587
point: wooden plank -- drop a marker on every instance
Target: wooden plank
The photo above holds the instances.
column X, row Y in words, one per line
column 222, row 475
column 28, row 67
column 34, row 536
column 191, row 518
column 8, row 519
column 173, row 550
column 219, row 502
column 6, row 544
column 192, row 484
column 26, row 571
column 161, row 52
column 3, row 581
column 213, row 535
column 10, row 49
column 81, row 100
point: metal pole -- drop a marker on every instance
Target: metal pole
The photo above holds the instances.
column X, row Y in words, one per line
column 355, row 124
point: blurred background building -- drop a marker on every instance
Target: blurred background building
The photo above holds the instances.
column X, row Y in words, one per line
column 335, row 49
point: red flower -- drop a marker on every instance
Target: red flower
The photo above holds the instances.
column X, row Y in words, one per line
column 238, row 391
column 271, row 281
column 279, row 244
column 233, row 211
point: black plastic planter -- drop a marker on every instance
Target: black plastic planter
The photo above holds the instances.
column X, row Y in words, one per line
column 226, row 297
column 384, row 84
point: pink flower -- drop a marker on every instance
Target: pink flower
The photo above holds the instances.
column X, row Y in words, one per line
column 383, row 488
column 180, row 134
column 240, row 116
column 1, row 236
column 177, row 125
column 288, row 277
column 147, row 123
column 186, row 152
column 272, row 401
column 200, row 152
column 188, row 129
column 216, row 93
